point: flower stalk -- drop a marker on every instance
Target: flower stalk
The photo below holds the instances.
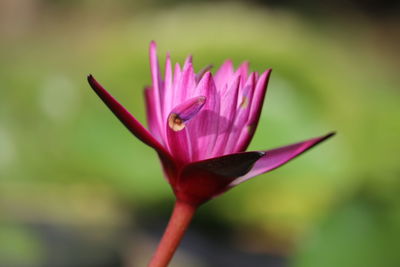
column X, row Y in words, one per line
column 178, row 223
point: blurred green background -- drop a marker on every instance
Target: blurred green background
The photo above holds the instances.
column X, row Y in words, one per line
column 76, row 189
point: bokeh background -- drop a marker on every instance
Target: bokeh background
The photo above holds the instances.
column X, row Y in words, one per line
column 77, row 190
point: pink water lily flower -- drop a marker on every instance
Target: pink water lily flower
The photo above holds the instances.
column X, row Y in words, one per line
column 201, row 124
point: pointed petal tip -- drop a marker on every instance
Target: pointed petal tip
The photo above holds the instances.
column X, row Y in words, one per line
column 327, row 136
column 189, row 58
column 227, row 64
column 207, row 76
column 93, row 83
column 252, row 78
column 333, row 133
column 202, row 72
column 96, row 86
column 244, row 65
column 267, row 73
column 153, row 48
column 188, row 64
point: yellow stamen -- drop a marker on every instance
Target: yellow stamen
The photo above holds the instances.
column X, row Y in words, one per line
column 175, row 122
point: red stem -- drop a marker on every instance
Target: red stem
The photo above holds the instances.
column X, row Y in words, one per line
column 178, row 223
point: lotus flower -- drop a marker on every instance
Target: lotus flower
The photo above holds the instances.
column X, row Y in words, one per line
column 200, row 125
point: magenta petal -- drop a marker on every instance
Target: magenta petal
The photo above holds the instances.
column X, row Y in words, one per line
column 169, row 92
column 157, row 92
column 223, row 74
column 133, row 125
column 154, row 67
column 277, row 157
column 227, row 113
column 152, row 120
column 255, row 111
column 242, row 71
column 204, row 130
column 242, row 114
column 186, row 84
column 199, row 181
column 201, row 73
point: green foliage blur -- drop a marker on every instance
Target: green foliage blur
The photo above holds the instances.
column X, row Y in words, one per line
column 67, row 163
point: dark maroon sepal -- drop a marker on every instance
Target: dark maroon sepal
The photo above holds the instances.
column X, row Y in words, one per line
column 202, row 180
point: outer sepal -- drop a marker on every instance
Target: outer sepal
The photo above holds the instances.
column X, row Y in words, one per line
column 130, row 122
column 202, row 180
column 277, row 157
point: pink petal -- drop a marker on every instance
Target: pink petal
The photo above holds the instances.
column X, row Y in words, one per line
column 223, row 74
column 204, row 130
column 203, row 71
column 277, row 157
column 177, row 130
column 133, row 125
column 157, row 91
column 227, row 116
column 199, row 181
column 154, row 67
column 175, row 86
column 242, row 71
column 242, row 114
column 169, row 92
column 152, row 120
column 188, row 60
column 186, row 84
column 255, row 112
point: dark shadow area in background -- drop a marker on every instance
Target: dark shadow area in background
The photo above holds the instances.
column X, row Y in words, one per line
column 372, row 8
